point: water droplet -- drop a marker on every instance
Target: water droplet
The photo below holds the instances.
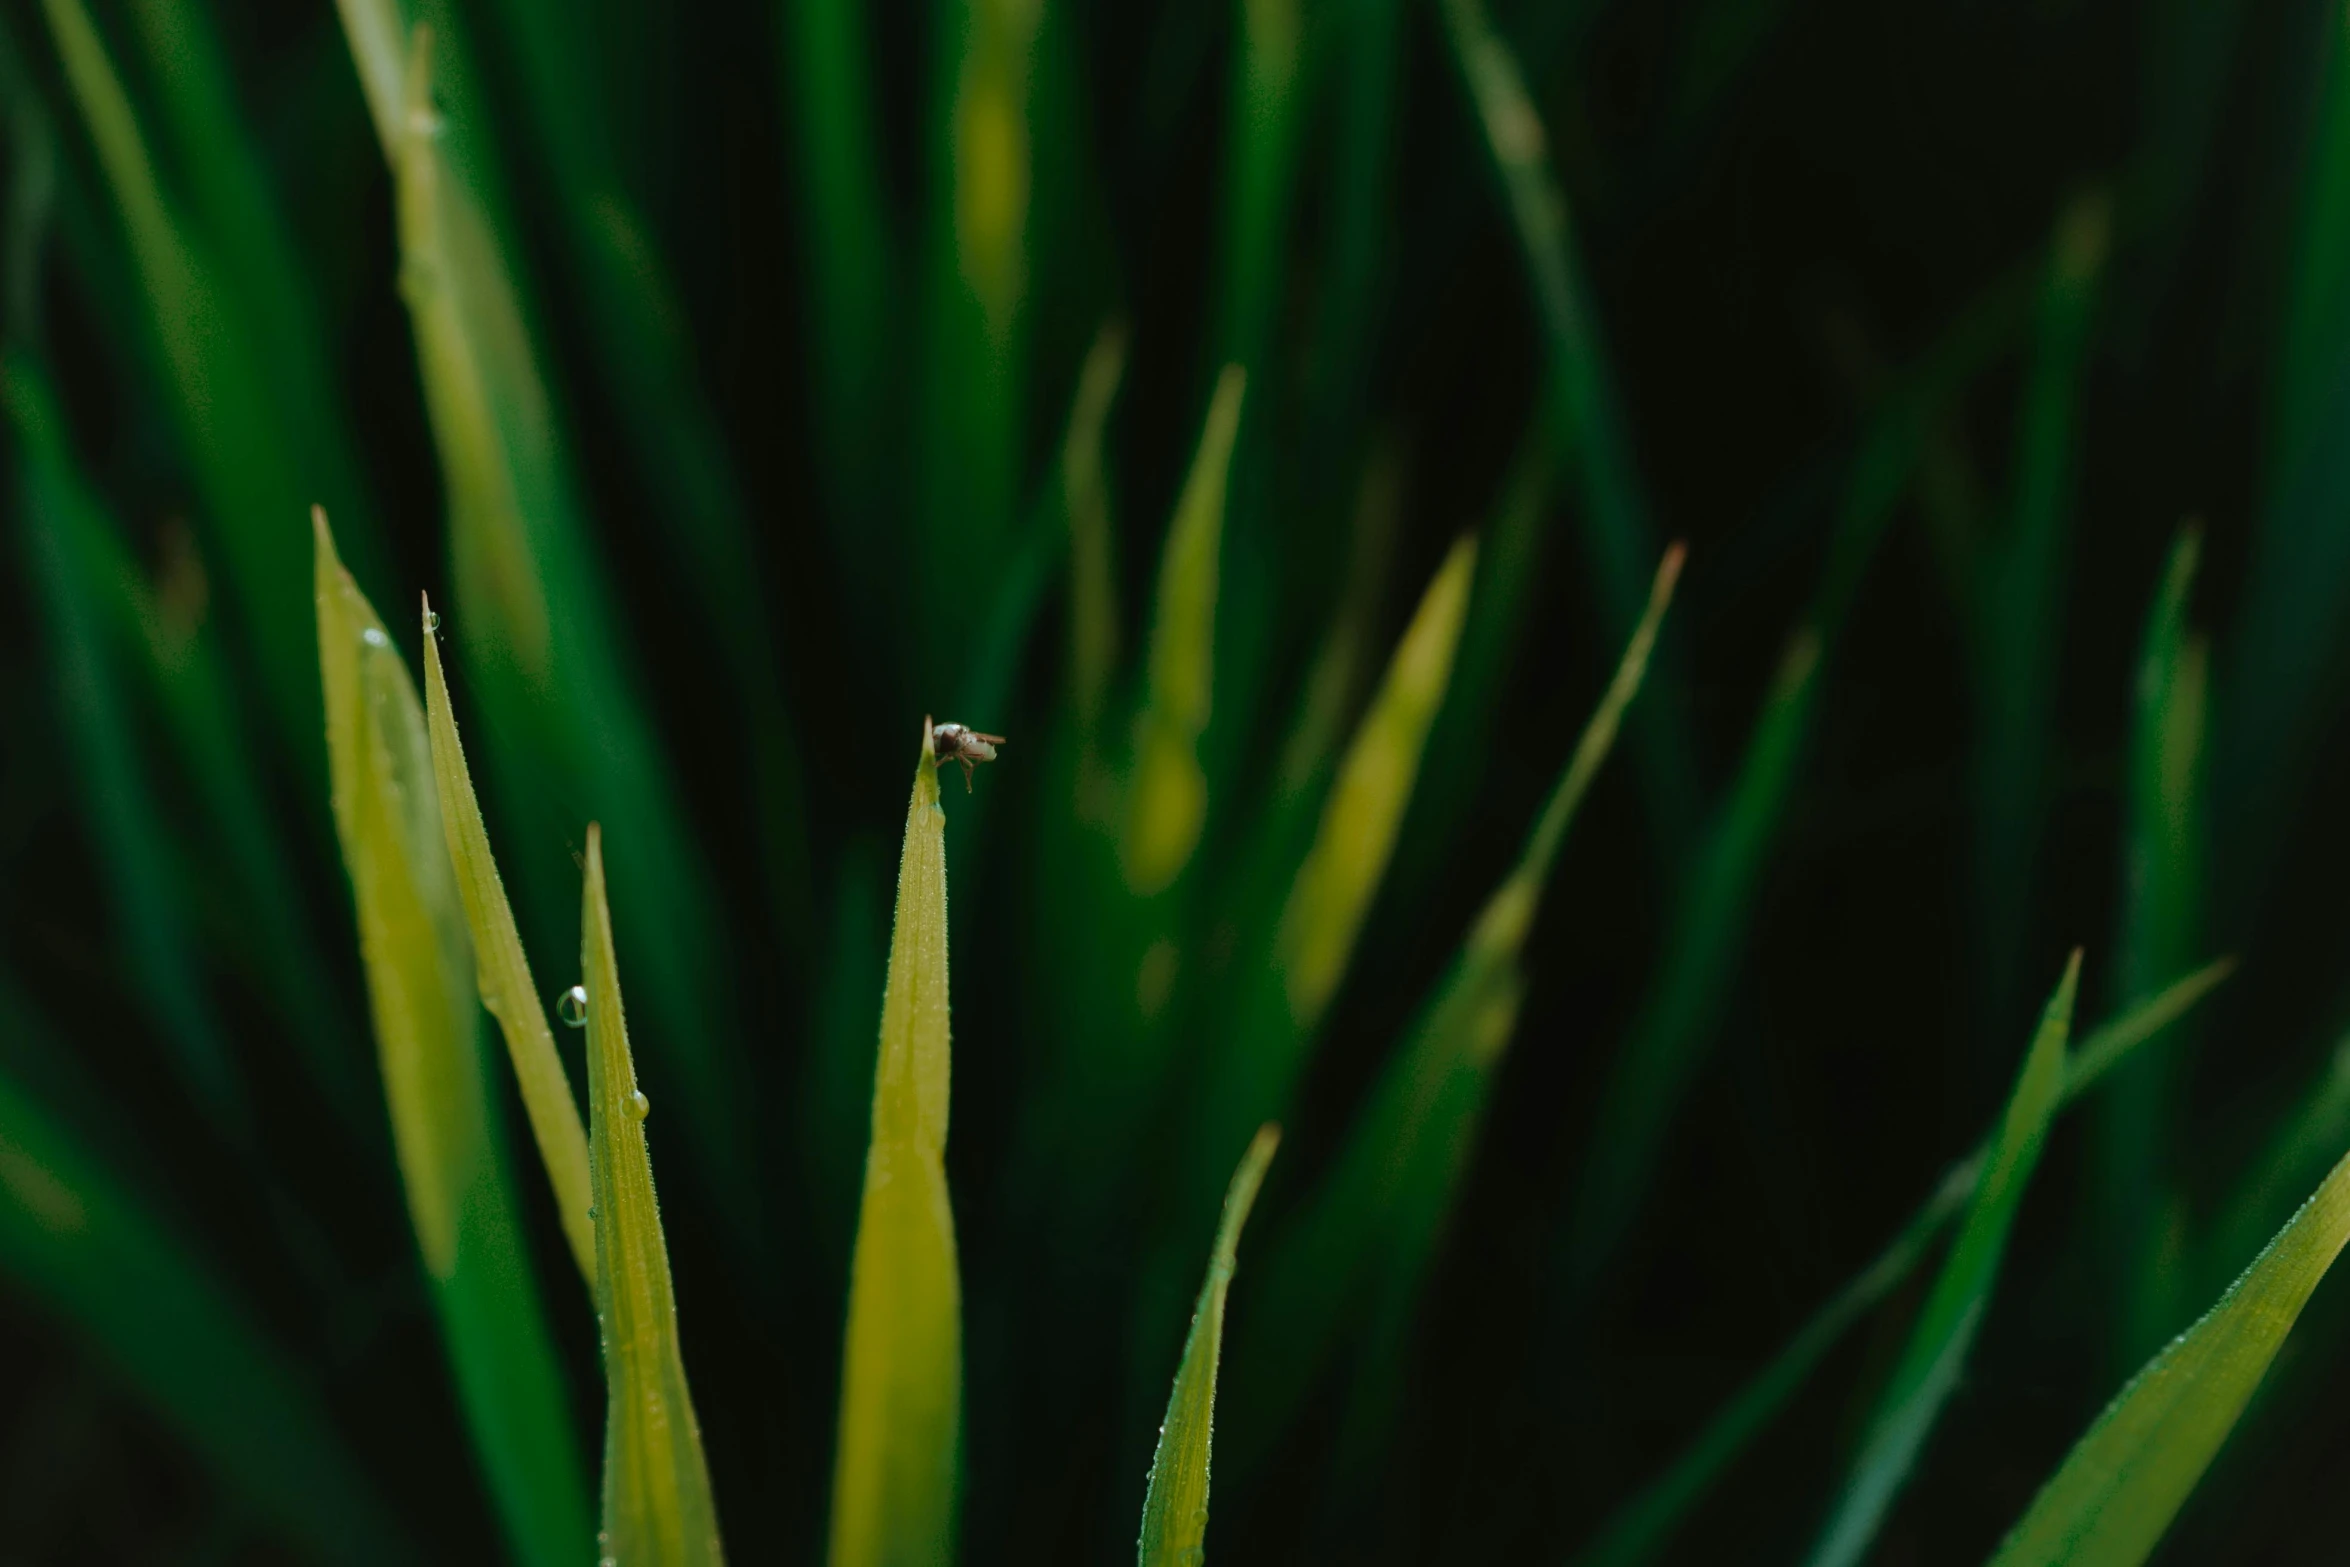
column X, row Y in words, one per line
column 432, row 620
column 571, row 1007
column 591, row 1213
column 374, row 636
column 637, row 1105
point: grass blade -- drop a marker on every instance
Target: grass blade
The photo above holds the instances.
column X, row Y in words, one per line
column 502, row 971
column 1372, row 1227
column 896, row 1465
column 657, row 1503
column 1085, row 498
column 78, row 1242
column 129, row 835
column 1263, row 130
column 2313, row 1131
column 452, row 1165
column 1936, row 1354
column 1587, row 428
column 1639, row 1529
column 1175, row 1506
column 2160, row 929
column 2117, row 1491
column 1167, row 798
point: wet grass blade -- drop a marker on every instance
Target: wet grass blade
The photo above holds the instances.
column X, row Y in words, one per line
column 418, row 963
column 1371, row 1229
column 1639, row 1529
column 2116, row 1493
column 502, row 971
column 657, row 1503
column 130, row 837
column 1929, row 1368
column 1175, row 1504
column 896, row 1465
column 1167, row 793
column 78, row 1242
column 531, row 613
column 2160, row 929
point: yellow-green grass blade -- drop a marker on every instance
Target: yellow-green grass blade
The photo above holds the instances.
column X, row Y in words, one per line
column 1167, row 790
column 78, row 1242
column 1256, row 1071
column 1372, row 1226
column 134, row 847
column 2160, row 929
column 502, row 971
column 897, row 1462
column 1175, row 1503
column 1636, row 1532
column 418, row 964
column 254, row 483
column 2116, row 1493
column 1587, row 426
column 2019, row 603
column 972, row 365
column 1930, row 1365
column 657, row 1505
column 560, row 709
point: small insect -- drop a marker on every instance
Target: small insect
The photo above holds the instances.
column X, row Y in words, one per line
column 954, row 743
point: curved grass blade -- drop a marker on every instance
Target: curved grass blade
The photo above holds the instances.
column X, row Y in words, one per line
column 452, row 1163
column 2314, row 1131
column 658, row 1510
column 1167, row 794
column 1929, row 1367
column 1371, row 1229
column 78, row 1242
column 896, row 1465
column 502, row 971
column 1175, row 1506
column 2116, row 1493
column 1639, row 1529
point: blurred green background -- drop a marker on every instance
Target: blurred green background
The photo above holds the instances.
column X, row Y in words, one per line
column 815, row 366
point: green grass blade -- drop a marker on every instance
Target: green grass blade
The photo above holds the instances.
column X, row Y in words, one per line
column 2119, row 1488
column 2020, row 608
column 1263, row 135
column 1660, row 1056
column 502, row 971
column 896, row 1466
column 130, row 837
column 79, row 1243
column 1167, row 798
column 1377, row 1216
column 252, row 481
column 1333, row 688
column 559, row 706
column 460, row 1200
column 1175, row 1505
column 2314, row 1131
column 657, row 1504
column 1639, row 1529
column 2160, row 929
column 1929, row 1367
column 1085, row 498
column 1587, row 426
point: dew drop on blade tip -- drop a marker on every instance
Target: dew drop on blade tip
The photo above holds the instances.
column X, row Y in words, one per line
column 636, row 1105
column 571, row 1007
column 432, row 620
